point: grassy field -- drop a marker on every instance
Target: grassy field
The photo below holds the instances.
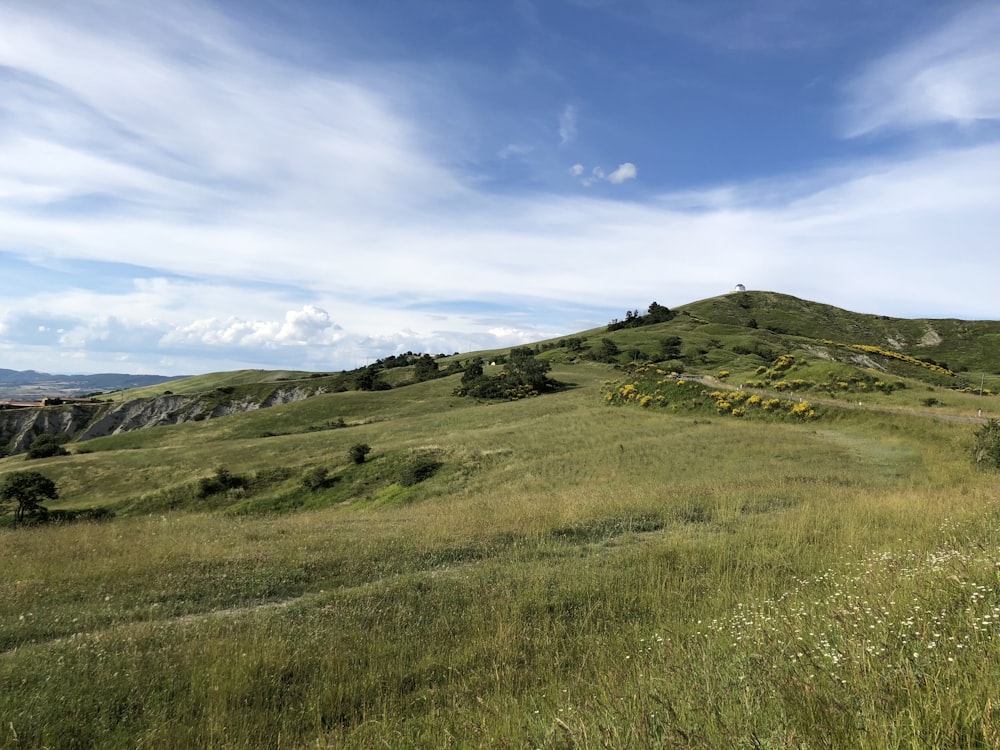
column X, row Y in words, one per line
column 574, row 570
column 574, row 575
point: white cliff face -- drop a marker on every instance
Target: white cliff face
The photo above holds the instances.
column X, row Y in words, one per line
column 78, row 422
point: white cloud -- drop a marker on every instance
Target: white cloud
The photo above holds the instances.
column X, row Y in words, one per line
column 567, row 125
column 624, row 172
column 946, row 76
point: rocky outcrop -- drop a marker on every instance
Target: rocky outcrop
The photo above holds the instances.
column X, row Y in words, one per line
column 77, row 422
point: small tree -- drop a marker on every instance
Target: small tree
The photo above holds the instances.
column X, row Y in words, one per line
column 359, row 452
column 28, row 489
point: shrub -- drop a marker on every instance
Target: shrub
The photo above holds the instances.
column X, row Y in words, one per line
column 45, row 446
column 316, row 478
column 987, row 447
column 359, row 452
column 222, row 481
column 422, row 466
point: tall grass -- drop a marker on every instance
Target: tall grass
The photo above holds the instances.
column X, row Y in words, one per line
column 575, row 575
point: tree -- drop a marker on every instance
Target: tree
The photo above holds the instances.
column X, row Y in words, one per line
column 28, row 489
column 658, row 313
column 425, row 368
column 370, row 379
column 473, row 371
column 523, row 369
column 670, row 347
column 607, row 351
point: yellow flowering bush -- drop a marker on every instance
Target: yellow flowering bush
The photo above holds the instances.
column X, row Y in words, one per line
column 804, row 410
column 649, row 391
column 902, row 358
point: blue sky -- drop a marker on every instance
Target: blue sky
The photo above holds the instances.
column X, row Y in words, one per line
column 196, row 186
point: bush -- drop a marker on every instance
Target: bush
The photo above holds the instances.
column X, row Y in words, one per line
column 987, row 448
column 45, row 446
column 421, row 467
column 359, row 452
column 316, row 479
column 222, row 481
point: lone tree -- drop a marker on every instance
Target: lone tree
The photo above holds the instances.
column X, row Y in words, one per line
column 28, row 489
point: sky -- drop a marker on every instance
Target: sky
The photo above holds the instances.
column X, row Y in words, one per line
column 204, row 185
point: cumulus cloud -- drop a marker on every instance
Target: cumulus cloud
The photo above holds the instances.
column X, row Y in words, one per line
column 624, row 172
column 310, row 326
column 576, row 170
column 946, row 76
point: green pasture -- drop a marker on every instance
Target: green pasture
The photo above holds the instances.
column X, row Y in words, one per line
column 574, row 574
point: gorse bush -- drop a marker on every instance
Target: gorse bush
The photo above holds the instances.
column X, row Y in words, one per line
column 652, row 388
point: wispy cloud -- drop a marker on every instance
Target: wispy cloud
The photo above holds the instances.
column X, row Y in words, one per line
column 567, row 125
column 946, row 76
column 624, row 172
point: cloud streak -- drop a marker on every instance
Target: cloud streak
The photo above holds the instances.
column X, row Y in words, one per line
column 947, row 76
column 567, row 125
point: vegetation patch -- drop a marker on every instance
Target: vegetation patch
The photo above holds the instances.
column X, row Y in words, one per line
column 651, row 387
column 523, row 375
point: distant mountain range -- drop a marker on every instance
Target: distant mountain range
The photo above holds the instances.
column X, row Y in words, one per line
column 29, row 384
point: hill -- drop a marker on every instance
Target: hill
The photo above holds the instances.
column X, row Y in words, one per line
column 28, row 385
column 575, row 569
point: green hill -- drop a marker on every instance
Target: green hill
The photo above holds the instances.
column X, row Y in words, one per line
column 583, row 568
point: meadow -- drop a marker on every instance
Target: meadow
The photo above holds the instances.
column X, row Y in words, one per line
column 575, row 575
column 779, row 547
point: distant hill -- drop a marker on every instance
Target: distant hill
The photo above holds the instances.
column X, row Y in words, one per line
column 29, row 384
